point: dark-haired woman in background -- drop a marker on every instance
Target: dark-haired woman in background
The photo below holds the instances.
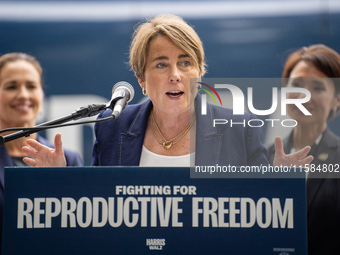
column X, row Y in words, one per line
column 317, row 68
column 21, row 99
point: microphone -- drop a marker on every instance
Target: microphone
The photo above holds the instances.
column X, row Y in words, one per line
column 122, row 93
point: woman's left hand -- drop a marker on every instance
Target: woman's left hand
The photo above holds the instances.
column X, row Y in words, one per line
column 298, row 158
column 43, row 156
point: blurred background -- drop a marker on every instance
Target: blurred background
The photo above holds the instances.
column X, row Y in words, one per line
column 83, row 45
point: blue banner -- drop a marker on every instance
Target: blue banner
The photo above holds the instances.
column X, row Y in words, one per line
column 150, row 211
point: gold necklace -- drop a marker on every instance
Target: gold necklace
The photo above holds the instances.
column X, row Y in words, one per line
column 167, row 144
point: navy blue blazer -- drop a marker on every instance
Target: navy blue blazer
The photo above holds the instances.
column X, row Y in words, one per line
column 323, row 194
column 119, row 142
column 72, row 159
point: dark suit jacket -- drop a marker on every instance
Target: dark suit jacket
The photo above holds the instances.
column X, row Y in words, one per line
column 119, row 142
column 323, row 195
column 72, row 159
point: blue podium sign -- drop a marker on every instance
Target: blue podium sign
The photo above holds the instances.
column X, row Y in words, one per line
column 131, row 210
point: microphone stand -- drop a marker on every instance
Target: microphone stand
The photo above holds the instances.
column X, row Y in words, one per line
column 82, row 112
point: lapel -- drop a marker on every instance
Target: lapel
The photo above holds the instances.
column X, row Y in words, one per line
column 5, row 160
column 131, row 141
column 208, row 140
column 324, row 153
column 288, row 143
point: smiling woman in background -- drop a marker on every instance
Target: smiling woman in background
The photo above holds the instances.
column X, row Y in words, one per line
column 21, row 99
column 311, row 68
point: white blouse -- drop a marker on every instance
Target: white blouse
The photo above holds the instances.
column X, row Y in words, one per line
column 150, row 159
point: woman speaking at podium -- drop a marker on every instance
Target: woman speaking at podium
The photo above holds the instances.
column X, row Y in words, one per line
column 167, row 57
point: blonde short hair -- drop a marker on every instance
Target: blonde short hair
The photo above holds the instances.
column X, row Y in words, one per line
column 177, row 30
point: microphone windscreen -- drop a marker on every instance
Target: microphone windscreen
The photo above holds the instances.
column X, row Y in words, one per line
column 126, row 85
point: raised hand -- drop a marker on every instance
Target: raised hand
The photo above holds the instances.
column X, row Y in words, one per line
column 43, row 156
column 298, row 158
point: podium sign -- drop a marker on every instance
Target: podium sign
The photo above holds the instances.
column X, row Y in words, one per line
column 132, row 210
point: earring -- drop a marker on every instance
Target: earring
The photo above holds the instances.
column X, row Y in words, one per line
column 334, row 113
column 144, row 92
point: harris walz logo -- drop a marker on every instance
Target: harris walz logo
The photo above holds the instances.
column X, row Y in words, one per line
column 155, row 244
